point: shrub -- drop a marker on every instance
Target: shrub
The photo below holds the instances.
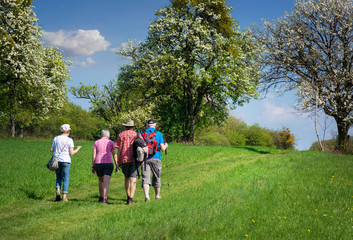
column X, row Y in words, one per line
column 257, row 136
column 330, row 146
column 213, row 138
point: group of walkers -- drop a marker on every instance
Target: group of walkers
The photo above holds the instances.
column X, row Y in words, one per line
column 104, row 152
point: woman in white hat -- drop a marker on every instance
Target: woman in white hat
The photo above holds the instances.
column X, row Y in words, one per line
column 63, row 148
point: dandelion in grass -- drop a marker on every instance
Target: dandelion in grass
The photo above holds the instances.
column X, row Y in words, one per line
column 246, row 235
column 309, row 230
column 253, row 220
column 325, row 215
column 316, row 210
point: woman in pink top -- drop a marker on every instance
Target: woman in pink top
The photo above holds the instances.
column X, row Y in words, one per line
column 102, row 164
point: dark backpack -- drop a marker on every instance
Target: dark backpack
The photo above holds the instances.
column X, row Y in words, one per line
column 150, row 140
column 140, row 149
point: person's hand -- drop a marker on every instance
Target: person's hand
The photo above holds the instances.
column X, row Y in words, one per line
column 93, row 170
column 116, row 170
column 78, row 148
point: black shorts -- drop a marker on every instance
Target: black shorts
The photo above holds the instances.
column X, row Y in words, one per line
column 104, row 169
column 129, row 169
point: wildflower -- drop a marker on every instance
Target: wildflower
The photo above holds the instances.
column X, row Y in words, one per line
column 325, row 215
column 316, row 210
column 309, row 230
column 236, row 172
column 284, row 217
column 246, row 235
column 347, row 212
column 253, row 220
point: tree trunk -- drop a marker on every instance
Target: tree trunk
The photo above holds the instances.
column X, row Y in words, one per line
column 21, row 132
column 317, row 133
column 342, row 138
column 13, row 126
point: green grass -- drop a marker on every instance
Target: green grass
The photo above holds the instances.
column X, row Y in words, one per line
column 214, row 193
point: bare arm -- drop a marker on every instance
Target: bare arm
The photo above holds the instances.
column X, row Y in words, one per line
column 115, row 157
column 73, row 152
column 94, row 155
column 164, row 146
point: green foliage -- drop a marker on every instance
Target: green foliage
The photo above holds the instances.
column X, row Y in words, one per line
column 116, row 102
column 257, row 136
column 213, row 138
column 235, row 193
column 194, row 63
column 32, row 77
column 235, row 132
column 85, row 125
column 330, row 146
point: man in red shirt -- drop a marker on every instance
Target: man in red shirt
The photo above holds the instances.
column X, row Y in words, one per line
column 124, row 143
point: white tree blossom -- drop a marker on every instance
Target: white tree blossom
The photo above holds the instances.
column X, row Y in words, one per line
column 32, row 78
column 192, row 68
column 311, row 50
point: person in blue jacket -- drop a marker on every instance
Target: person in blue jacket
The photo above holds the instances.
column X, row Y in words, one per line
column 153, row 163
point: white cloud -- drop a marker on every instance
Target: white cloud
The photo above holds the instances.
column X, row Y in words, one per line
column 275, row 113
column 88, row 62
column 77, row 43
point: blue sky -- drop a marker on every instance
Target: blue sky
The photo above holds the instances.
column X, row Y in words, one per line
column 90, row 31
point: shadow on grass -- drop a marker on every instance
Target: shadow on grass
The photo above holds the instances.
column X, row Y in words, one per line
column 31, row 194
column 255, row 149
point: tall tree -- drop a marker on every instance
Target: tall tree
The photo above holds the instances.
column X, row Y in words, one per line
column 193, row 65
column 32, row 78
column 311, row 50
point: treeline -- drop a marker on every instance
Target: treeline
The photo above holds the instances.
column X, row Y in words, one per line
column 86, row 125
column 238, row 133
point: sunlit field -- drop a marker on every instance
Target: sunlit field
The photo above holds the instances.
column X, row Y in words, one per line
column 215, row 192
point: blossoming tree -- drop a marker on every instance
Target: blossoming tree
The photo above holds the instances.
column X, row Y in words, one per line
column 194, row 64
column 32, row 78
column 311, row 50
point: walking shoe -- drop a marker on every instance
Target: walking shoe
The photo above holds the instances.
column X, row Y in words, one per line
column 106, row 202
column 147, row 199
column 158, row 197
column 65, row 199
column 130, row 202
column 100, row 199
column 57, row 199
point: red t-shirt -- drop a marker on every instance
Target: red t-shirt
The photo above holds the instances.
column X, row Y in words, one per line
column 124, row 143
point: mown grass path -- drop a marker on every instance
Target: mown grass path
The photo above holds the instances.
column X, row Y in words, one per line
column 214, row 193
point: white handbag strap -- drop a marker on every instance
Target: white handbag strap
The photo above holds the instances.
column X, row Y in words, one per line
column 63, row 147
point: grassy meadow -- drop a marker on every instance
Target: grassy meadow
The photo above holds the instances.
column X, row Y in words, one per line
column 215, row 192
